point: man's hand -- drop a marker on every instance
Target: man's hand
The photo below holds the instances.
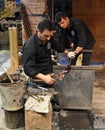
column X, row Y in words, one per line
column 49, row 79
column 72, row 54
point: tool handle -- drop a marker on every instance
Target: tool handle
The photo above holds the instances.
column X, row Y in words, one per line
column 10, row 78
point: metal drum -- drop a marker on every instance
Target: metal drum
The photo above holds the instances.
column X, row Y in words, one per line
column 75, row 91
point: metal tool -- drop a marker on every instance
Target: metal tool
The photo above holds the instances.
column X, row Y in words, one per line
column 28, row 83
column 38, row 98
column 71, row 46
column 39, row 89
column 68, row 67
column 59, row 78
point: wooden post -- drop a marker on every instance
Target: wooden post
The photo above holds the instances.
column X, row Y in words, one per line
column 13, row 39
column 15, row 46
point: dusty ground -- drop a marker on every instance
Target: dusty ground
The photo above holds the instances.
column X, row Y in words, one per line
column 99, row 92
column 98, row 106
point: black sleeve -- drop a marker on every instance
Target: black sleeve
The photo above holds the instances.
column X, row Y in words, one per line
column 81, row 33
column 29, row 59
column 56, row 46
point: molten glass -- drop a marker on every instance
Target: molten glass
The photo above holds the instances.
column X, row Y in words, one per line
column 66, row 71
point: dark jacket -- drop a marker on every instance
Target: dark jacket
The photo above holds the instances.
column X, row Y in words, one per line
column 37, row 56
column 79, row 34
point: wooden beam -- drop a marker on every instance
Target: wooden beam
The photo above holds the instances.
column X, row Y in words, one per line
column 13, row 40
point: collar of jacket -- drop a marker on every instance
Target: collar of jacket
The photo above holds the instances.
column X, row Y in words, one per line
column 41, row 44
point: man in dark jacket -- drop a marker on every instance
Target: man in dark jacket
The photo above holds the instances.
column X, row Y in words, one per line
column 37, row 53
column 78, row 33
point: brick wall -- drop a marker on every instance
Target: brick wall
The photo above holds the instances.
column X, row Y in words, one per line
column 35, row 7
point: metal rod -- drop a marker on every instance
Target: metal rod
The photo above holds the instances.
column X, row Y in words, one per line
column 83, row 50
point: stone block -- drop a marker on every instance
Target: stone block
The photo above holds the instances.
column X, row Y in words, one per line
column 38, row 121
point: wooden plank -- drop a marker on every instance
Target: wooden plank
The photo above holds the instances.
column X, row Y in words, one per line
column 15, row 46
column 13, row 39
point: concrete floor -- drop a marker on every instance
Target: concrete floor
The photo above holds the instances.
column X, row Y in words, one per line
column 98, row 103
column 4, row 60
column 98, row 106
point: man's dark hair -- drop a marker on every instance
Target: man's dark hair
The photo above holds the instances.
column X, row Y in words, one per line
column 60, row 15
column 45, row 24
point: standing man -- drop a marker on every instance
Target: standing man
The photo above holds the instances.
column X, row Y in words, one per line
column 78, row 33
column 37, row 53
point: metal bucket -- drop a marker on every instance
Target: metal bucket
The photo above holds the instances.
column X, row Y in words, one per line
column 75, row 91
column 12, row 94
